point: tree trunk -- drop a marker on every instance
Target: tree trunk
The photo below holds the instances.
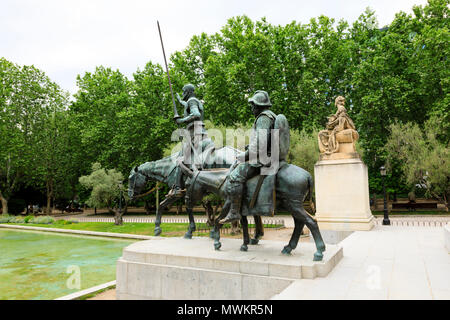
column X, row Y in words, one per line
column 446, row 201
column 147, row 207
column 49, row 197
column 118, row 214
column 4, row 203
column 235, row 227
column 48, row 209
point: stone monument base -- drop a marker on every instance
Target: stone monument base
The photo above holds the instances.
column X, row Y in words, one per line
column 447, row 236
column 342, row 195
column 180, row 269
column 333, row 236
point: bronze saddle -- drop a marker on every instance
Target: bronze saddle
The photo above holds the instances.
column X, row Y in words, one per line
column 259, row 192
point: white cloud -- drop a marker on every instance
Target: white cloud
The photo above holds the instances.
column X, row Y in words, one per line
column 70, row 37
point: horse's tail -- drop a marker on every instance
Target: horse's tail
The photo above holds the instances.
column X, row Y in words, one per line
column 310, row 187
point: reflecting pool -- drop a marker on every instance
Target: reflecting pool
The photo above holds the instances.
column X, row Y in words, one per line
column 44, row 265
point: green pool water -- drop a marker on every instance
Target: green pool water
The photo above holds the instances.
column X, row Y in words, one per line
column 43, row 265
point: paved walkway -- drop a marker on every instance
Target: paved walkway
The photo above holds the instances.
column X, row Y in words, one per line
column 386, row 263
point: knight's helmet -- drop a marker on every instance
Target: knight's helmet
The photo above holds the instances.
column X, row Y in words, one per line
column 188, row 91
column 261, row 99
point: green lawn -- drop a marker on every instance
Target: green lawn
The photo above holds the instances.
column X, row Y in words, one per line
column 147, row 229
column 169, row 229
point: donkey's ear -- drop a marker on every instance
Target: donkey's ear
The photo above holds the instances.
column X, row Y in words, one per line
column 136, row 169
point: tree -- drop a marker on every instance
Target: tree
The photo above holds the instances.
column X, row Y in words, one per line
column 107, row 190
column 51, row 145
column 304, row 149
column 402, row 76
column 423, row 158
column 27, row 96
column 101, row 97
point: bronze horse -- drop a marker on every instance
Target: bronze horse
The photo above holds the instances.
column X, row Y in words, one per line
column 292, row 185
column 163, row 170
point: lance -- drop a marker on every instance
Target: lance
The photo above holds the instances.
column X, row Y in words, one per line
column 168, row 75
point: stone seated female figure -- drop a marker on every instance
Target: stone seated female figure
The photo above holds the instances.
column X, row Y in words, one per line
column 340, row 135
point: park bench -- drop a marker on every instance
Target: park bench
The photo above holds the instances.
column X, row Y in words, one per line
column 414, row 205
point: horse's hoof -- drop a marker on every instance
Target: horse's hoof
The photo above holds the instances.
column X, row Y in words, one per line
column 244, row 247
column 217, row 245
column 188, row 235
column 286, row 250
column 254, row 241
column 157, row 231
column 318, row 256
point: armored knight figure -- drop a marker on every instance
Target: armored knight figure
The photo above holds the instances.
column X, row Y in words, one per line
column 265, row 118
column 195, row 143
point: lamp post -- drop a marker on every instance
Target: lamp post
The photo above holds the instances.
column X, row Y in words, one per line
column 386, row 221
column 120, row 197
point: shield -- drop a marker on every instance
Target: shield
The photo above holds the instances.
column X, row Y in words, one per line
column 282, row 125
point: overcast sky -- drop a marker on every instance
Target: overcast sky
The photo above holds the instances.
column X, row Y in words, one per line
column 69, row 37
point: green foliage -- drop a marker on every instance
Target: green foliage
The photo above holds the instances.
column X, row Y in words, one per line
column 213, row 198
column 5, row 218
column 41, row 220
column 104, row 185
column 63, row 222
column 17, row 219
column 422, row 157
column 27, row 219
column 304, row 149
column 29, row 104
column 399, row 72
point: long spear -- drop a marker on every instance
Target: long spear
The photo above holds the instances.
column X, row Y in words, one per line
column 168, row 75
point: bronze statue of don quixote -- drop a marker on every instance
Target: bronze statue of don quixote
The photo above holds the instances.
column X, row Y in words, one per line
column 256, row 182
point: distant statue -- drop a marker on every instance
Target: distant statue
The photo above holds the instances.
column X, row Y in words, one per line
column 340, row 134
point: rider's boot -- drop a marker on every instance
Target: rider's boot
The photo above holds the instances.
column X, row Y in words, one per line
column 236, row 190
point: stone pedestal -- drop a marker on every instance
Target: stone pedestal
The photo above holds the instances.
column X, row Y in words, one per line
column 342, row 196
column 176, row 268
column 447, row 236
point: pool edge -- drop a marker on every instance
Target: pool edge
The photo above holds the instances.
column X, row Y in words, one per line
column 82, row 293
column 82, row 232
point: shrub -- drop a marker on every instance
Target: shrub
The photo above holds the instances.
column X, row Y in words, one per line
column 42, row 220
column 4, row 218
column 17, row 220
column 27, row 219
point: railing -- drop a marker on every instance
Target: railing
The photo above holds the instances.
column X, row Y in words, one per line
column 414, row 223
column 201, row 223
column 268, row 222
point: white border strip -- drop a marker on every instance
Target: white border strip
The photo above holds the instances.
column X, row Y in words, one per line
column 84, row 292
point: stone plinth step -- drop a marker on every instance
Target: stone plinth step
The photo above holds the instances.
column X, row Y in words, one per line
column 176, row 268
